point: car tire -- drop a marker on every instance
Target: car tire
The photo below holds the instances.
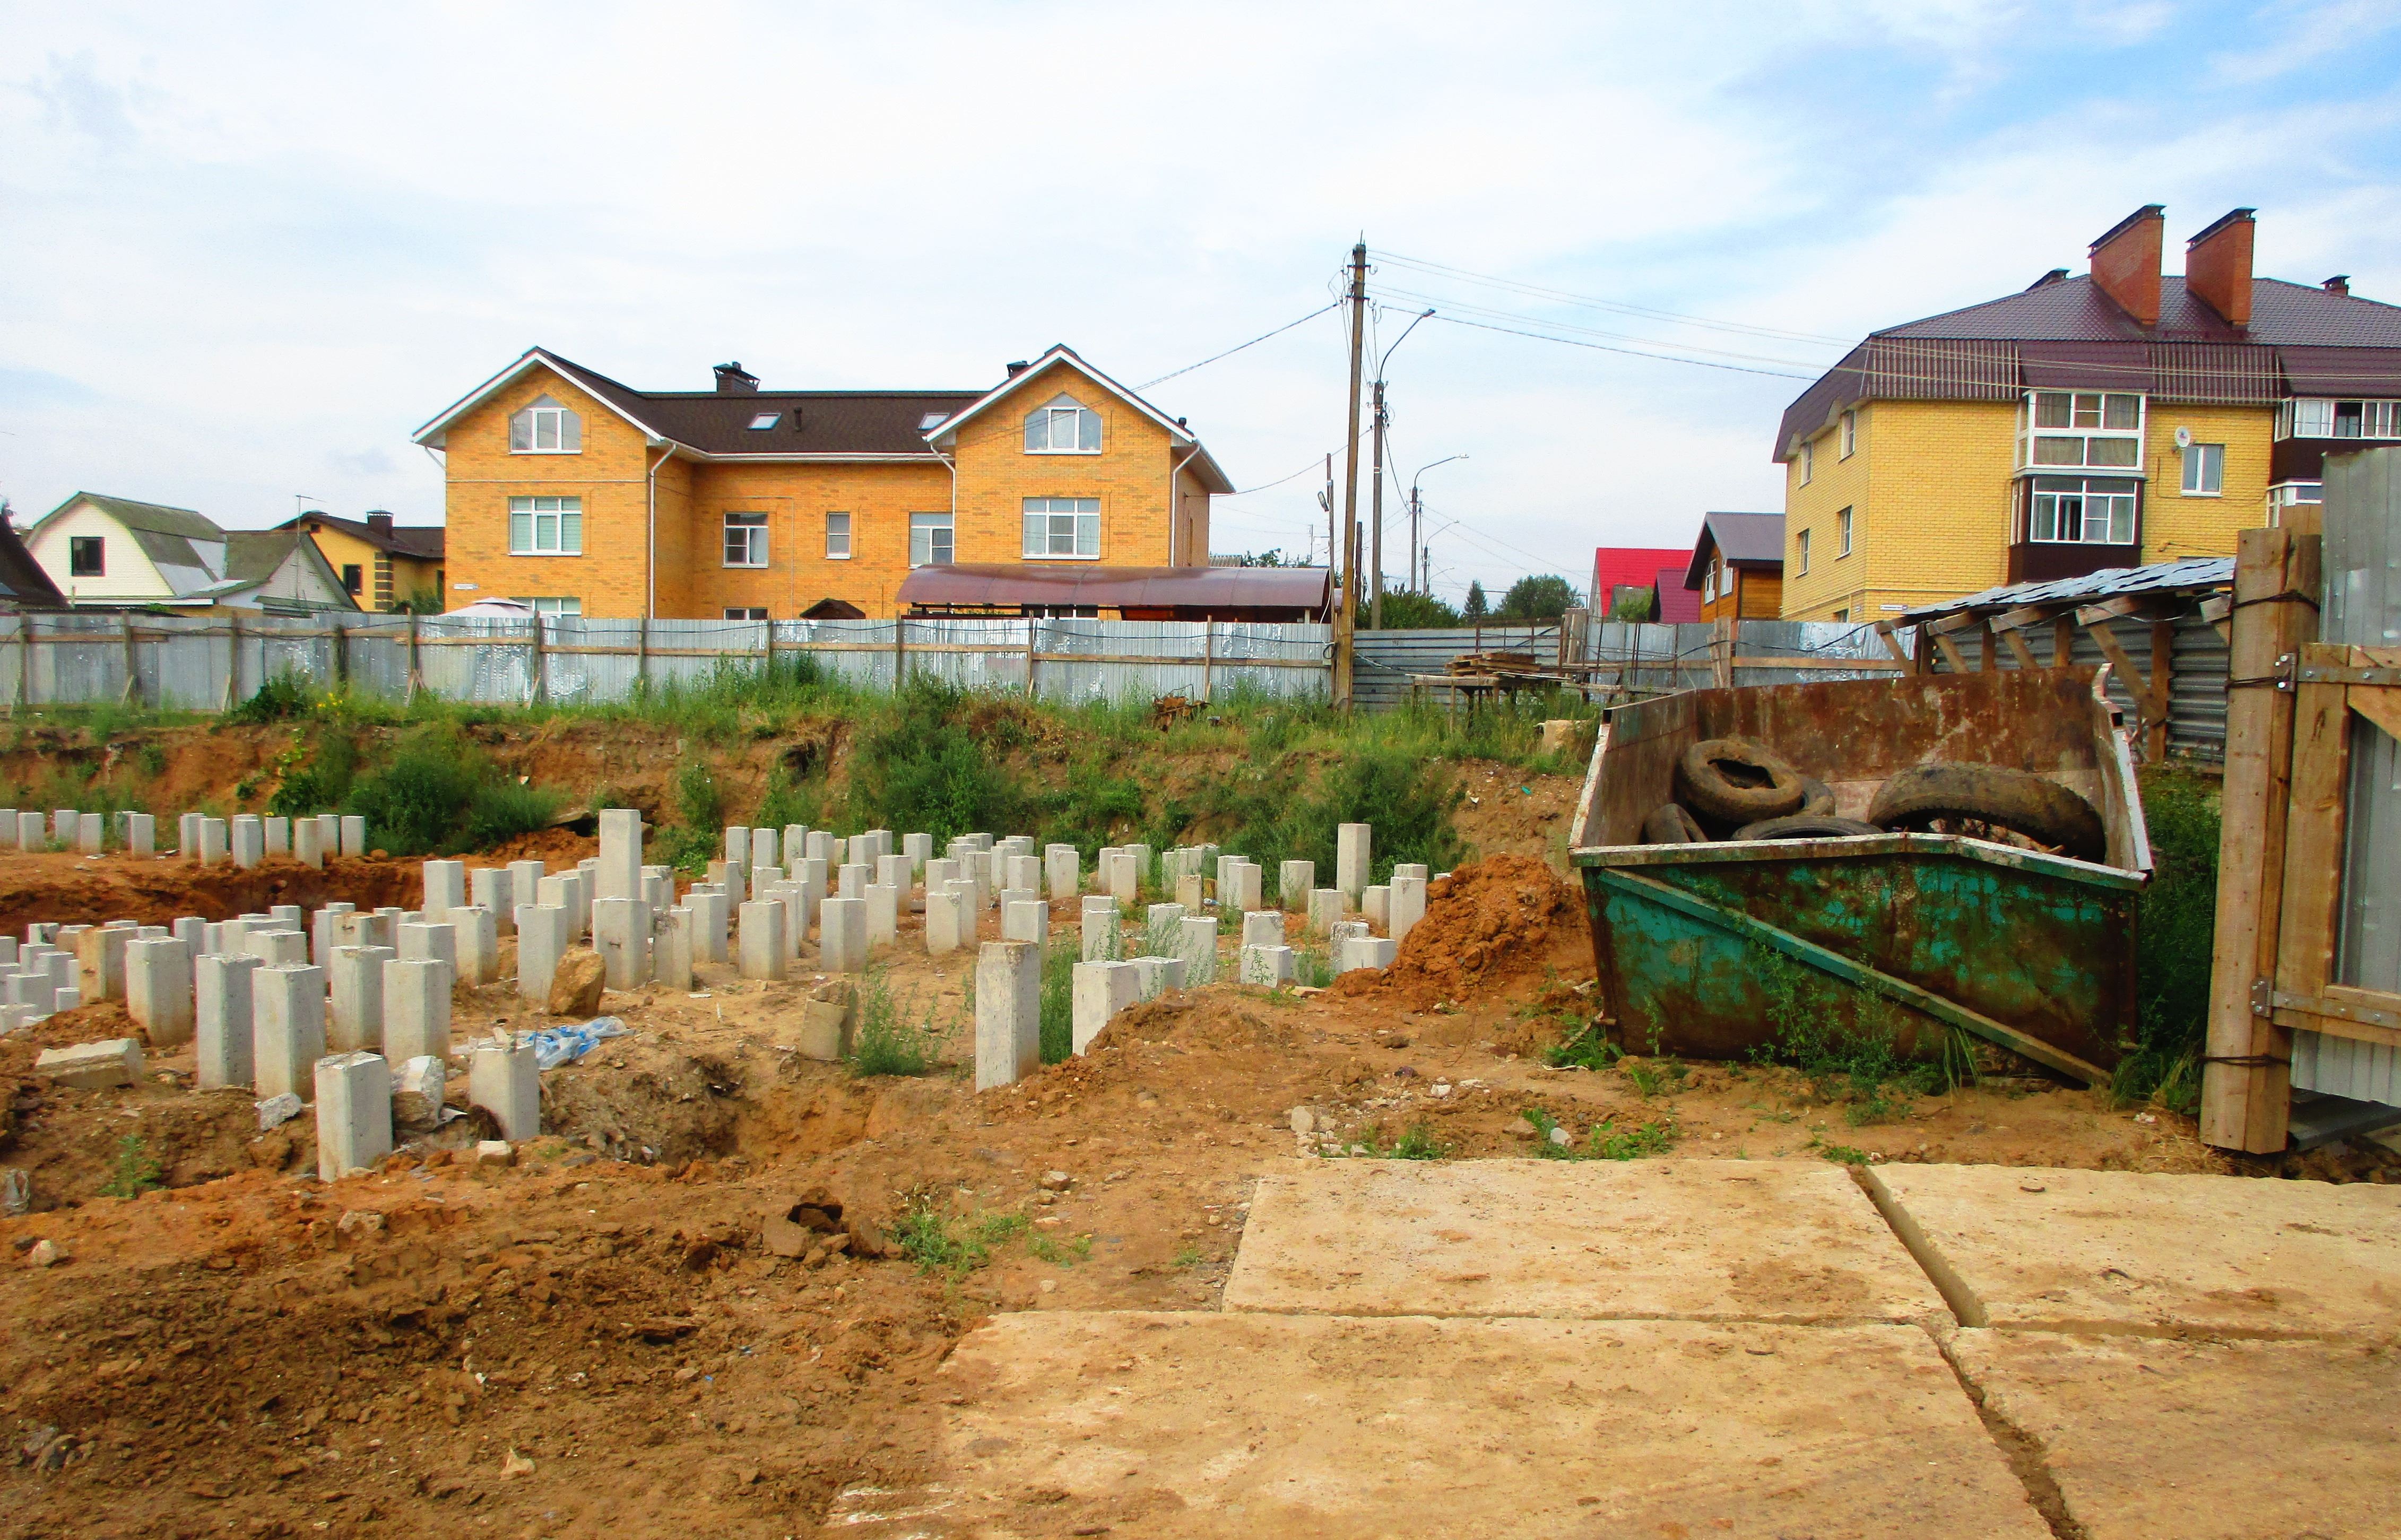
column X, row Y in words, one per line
column 2041, row 810
column 1805, row 825
column 1670, row 825
column 1735, row 781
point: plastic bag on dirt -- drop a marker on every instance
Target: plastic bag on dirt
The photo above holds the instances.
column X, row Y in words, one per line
column 555, row 1045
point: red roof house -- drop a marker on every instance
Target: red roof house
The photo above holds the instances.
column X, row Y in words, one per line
column 1621, row 567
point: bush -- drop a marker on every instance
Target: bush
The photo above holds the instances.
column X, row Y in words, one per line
column 279, row 699
column 441, row 794
column 504, row 809
column 923, row 768
column 887, row 1044
column 2178, row 933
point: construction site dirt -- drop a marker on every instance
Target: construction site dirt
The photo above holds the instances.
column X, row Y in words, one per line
column 617, row 1332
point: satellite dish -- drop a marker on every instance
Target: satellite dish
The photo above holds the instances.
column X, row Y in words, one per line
column 2183, row 438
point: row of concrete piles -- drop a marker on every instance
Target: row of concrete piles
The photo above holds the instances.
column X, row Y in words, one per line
column 245, row 839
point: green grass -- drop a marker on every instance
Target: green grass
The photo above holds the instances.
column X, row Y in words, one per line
column 939, row 1243
column 1059, row 1254
column 1855, row 1060
column 1059, row 957
column 1606, row 1140
column 2177, row 935
column 1844, row 1154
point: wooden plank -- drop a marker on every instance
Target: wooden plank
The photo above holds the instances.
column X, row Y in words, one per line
column 2026, row 616
column 2018, row 648
column 1988, row 656
column 2119, row 608
column 2123, row 661
column 2062, row 639
column 1892, row 645
column 2362, row 1016
column 2382, row 706
column 1950, row 650
column 2163, row 684
column 1951, row 625
column 2314, row 839
column 2246, row 1086
column 2218, row 609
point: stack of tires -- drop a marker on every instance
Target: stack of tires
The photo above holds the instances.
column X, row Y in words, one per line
column 1737, row 788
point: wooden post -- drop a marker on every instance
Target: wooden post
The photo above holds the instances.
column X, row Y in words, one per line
column 1031, row 625
column 899, row 649
column 1987, row 651
column 341, row 652
column 133, row 664
column 642, row 653
column 415, row 680
column 2155, row 741
column 1209, row 661
column 2246, row 1074
column 233, row 661
column 1722, row 652
column 533, row 660
column 767, row 651
column 2062, row 639
column 24, row 661
column 1923, row 651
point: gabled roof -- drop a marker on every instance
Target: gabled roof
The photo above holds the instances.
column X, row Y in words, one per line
column 419, row 542
column 713, row 423
column 1677, row 604
column 140, row 517
column 23, row 584
column 252, row 556
column 947, row 433
column 1615, row 566
column 1745, row 539
column 2074, row 309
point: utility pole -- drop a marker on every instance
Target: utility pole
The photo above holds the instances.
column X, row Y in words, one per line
column 1416, row 504
column 1326, row 501
column 1376, row 520
column 1342, row 619
column 1425, row 570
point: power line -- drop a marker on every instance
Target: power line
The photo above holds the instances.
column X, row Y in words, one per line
column 1232, row 352
column 1567, row 297
column 1632, row 353
column 1456, row 308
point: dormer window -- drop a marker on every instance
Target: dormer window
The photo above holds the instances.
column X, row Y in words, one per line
column 761, row 422
column 932, row 420
column 1064, row 426
column 544, row 427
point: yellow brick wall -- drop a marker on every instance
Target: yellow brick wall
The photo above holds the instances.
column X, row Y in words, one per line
column 2175, row 527
column 609, row 475
column 1832, row 583
column 1130, row 476
column 796, row 499
column 406, row 575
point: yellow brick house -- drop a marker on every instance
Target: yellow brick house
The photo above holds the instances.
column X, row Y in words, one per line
column 584, row 496
column 2114, row 418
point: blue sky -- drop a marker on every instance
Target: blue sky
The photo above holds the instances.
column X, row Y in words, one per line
column 244, row 251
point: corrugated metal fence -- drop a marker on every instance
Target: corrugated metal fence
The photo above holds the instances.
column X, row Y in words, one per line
column 1650, row 660
column 205, row 663
column 2195, row 677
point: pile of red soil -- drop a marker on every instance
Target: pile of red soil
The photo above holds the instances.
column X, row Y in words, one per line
column 559, row 849
column 75, row 890
column 1487, row 925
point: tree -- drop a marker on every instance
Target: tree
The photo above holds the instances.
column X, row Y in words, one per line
column 1475, row 608
column 1266, row 558
column 1408, row 611
column 1534, row 599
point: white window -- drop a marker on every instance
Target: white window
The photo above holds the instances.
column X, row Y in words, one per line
column 1064, row 426
column 1062, row 526
column 2102, row 428
column 569, row 607
column 932, row 420
column 1802, row 552
column 929, row 540
column 545, row 526
column 1843, row 533
column 2284, row 495
column 2205, row 469
column 2064, row 510
column 1808, row 462
column 762, row 422
column 544, row 426
column 837, row 537
column 1850, row 433
column 746, row 539
column 746, row 612
column 2314, row 419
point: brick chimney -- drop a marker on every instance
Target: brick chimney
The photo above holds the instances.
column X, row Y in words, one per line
column 2338, row 284
column 2218, row 266
column 379, row 523
column 2126, row 263
column 735, row 380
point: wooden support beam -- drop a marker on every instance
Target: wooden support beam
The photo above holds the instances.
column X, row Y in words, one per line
column 2018, row 648
column 1988, row 655
column 2217, row 610
column 1891, row 643
column 2161, row 692
column 1950, row 650
column 1951, row 625
column 2123, row 661
column 2062, row 639
column 2026, row 616
column 2247, row 1077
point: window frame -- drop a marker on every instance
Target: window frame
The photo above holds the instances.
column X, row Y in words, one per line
column 567, row 424
column 848, row 544
column 559, row 510
column 555, row 603
column 1844, row 521
column 2083, row 493
column 2033, row 433
column 354, row 579
column 1063, row 405
column 1849, row 431
column 928, row 524
column 762, row 422
column 752, row 613
column 1808, row 461
column 98, row 547
column 753, row 529
column 1077, row 509
column 1800, row 552
column 2209, row 460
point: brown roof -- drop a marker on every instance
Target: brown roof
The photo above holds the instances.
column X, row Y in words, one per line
column 23, row 584
column 808, row 422
column 2065, row 333
column 1745, row 539
column 1295, row 588
column 422, row 542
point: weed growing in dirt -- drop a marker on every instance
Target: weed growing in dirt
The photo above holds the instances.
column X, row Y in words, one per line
column 1188, row 1256
column 1605, row 1141
column 279, row 699
column 922, row 767
column 888, row 1043
column 1059, row 999
column 695, row 839
column 1857, row 1063
column 2176, row 934
column 1656, row 1076
column 136, row 1170
column 1059, row 1254
column 1587, row 1047
column 1418, row 1143
column 1312, row 964
column 440, row 793
column 1843, row 1154
column 937, row 1243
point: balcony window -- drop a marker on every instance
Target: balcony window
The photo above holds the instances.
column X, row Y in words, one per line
column 2079, row 509
column 1062, row 526
column 931, row 540
column 2311, row 417
column 544, row 426
column 545, row 526
column 2102, row 428
column 1808, row 462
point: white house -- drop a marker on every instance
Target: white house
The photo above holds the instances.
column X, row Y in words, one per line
column 113, row 551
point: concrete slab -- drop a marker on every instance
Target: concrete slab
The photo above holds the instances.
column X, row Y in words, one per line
column 2148, row 1436
column 1700, row 1240
column 1141, row 1425
column 2041, row 1248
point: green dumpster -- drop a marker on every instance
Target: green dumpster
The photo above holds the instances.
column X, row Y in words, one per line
column 1702, row 949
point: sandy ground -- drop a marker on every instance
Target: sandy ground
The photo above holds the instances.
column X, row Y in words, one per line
column 601, row 1338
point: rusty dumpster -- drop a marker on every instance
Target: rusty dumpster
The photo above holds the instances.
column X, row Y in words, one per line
column 1703, row 949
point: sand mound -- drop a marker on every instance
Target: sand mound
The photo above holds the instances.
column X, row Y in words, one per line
column 1486, row 925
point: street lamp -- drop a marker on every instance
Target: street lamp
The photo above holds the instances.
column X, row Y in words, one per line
column 1375, row 517
column 1415, row 508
